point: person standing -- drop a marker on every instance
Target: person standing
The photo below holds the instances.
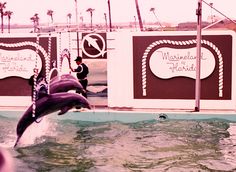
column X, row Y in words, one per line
column 82, row 71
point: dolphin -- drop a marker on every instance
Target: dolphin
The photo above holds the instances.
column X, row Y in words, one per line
column 61, row 102
column 63, row 77
column 64, row 85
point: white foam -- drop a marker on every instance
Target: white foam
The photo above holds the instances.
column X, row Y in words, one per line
column 36, row 130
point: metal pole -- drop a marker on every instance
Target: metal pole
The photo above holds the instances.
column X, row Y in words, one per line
column 76, row 14
column 77, row 26
column 109, row 10
column 198, row 57
column 139, row 15
column 105, row 16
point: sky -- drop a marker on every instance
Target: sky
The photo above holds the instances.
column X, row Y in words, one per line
column 171, row 11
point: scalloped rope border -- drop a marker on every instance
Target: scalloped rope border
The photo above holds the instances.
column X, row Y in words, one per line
column 59, row 57
column 47, row 60
column 21, row 44
column 46, row 56
column 38, row 47
column 35, row 78
column 65, row 54
column 189, row 42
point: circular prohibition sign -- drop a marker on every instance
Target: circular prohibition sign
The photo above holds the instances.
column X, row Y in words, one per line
column 93, row 42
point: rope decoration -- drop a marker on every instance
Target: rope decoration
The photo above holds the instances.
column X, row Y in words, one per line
column 25, row 43
column 69, row 40
column 46, row 56
column 47, row 60
column 69, row 37
column 59, row 58
column 65, row 54
column 181, row 43
column 35, row 78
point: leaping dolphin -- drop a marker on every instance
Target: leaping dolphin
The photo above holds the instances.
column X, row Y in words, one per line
column 61, row 102
column 63, row 77
column 64, row 85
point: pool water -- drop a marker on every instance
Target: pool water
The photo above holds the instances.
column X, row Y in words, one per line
column 172, row 145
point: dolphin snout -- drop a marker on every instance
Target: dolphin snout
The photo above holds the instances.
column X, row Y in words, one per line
column 17, row 140
column 89, row 106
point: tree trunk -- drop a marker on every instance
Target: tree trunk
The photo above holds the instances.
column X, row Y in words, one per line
column 109, row 10
column 91, row 19
column 9, row 25
column 139, row 15
column 2, row 21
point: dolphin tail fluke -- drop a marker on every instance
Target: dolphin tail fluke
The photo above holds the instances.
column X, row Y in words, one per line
column 17, row 140
column 89, row 106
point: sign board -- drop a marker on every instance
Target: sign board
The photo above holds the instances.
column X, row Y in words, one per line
column 167, row 67
column 94, row 45
column 19, row 55
column 158, row 70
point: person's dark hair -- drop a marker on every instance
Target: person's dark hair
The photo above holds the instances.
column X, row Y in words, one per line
column 78, row 59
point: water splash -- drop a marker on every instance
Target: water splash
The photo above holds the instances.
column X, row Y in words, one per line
column 35, row 132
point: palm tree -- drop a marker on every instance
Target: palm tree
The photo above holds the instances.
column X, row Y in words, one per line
column 105, row 17
column 139, row 15
column 50, row 14
column 2, row 6
column 135, row 24
column 35, row 20
column 81, row 19
column 69, row 18
column 211, row 5
column 8, row 14
column 90, row 10
column 153, row 11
